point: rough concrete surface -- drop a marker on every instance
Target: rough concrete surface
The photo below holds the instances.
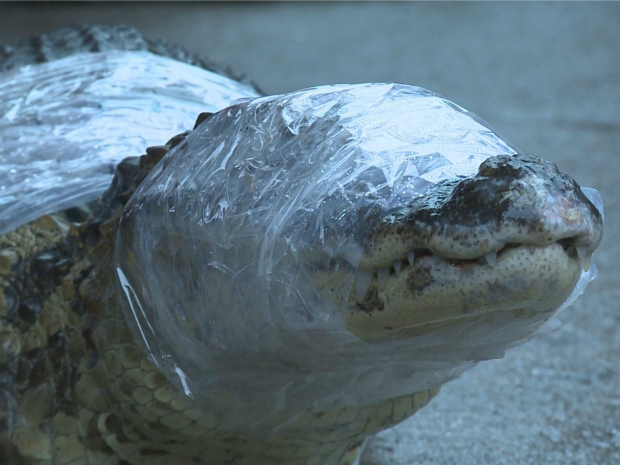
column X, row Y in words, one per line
column 546, row 76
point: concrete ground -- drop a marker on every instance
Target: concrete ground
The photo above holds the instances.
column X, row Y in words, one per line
column 546, row 76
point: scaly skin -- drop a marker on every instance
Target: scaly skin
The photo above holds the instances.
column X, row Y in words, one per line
column 75, row 387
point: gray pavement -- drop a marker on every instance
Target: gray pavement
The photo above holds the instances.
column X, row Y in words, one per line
column 546, row 76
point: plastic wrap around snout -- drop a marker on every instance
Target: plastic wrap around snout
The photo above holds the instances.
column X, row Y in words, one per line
column 224, row 250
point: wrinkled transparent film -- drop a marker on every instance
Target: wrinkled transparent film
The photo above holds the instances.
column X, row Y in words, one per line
column 239, row 257
column 64, row 125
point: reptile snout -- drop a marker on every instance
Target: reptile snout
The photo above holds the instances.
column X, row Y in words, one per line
column 514, row 237
column 511, row 201
column 547, row 205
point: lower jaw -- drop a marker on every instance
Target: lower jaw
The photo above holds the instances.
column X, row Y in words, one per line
column 433, row 293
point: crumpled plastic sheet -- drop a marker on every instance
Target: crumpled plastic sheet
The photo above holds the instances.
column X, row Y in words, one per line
column 219, row 249
column 64, row 125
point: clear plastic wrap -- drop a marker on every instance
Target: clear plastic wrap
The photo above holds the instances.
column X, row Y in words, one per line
column 64, row 125
column 225, row 248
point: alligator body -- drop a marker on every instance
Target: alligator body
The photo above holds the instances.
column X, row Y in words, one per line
column 78, row 387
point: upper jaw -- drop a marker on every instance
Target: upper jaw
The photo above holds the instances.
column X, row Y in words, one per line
column 511, row 200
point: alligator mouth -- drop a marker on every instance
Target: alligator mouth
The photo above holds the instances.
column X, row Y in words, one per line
column 421, row 256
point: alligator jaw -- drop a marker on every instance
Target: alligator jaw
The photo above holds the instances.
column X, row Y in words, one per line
column 513, row 237
column 381, row 276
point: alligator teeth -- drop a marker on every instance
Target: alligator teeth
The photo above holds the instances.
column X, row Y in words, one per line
column 410, row 257
column 397, row 266
column 491, row 258
column 584, row 259
column 362, row 283
column 382, row 274
column 585, row 263
column 581, row 251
